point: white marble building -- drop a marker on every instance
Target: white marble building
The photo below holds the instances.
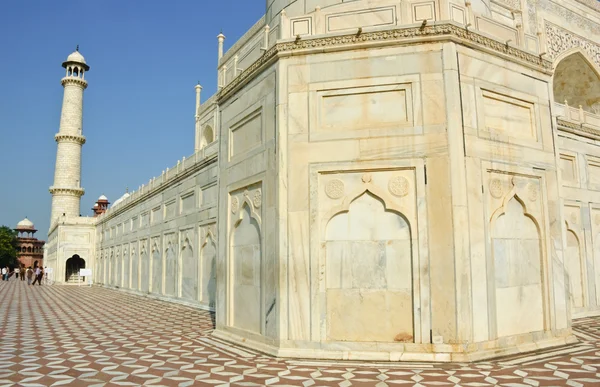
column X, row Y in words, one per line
column 374, row 179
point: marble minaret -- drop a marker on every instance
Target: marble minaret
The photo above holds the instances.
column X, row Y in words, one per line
column 66, row 190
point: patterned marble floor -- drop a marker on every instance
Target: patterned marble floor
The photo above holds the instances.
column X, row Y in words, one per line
column 67, row 335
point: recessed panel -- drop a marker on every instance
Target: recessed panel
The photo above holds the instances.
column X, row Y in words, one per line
column 509, row 116
column 246, row 135
column 364, row 107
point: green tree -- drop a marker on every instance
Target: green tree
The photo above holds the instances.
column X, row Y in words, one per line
column 8, row 247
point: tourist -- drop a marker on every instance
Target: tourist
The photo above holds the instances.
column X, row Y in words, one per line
column 38, row 275
column 4, row 275
column 29, row 275
column 22, row 273
column 17, row 272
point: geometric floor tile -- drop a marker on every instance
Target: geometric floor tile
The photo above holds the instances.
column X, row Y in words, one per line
column 92, row 336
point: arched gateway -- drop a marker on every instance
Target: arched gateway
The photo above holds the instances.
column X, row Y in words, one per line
column 72, row 267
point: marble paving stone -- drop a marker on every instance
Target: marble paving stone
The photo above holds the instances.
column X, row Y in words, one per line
column 82, row 336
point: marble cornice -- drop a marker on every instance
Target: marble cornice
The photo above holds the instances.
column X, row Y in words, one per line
column 410, row 35
column 67, row 190
column 156, row 189
column 78, row 139
column 578, row 129
column 593, row 4
column 75, row 81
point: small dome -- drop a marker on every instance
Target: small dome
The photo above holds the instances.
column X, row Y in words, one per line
column 25, row 223
column 96, row 205
column 102, row 198
column 119, row 200
column 76, row 57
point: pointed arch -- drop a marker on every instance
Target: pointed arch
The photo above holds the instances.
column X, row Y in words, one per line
column 189, row 270
column 368, row 263
column 390, row 204
column 576, row 80
column 245, row 252
column 171, row 270
column 208, row 136
column 157, row 268
column 575, row 266
column 208, row 270
column 517, row 266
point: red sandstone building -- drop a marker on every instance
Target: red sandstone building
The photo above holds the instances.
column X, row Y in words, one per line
column 30, row 250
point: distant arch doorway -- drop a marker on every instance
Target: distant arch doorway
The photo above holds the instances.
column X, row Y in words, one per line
column 72, row 267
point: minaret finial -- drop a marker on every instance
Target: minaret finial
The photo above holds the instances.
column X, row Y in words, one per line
column 77, row 48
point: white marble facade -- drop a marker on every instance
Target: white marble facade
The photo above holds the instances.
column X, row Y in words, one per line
column 389, row 180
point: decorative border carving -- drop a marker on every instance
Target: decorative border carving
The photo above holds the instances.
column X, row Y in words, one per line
column 447, row 30
column 512, row 4
column 561, row 40
column 568, row 16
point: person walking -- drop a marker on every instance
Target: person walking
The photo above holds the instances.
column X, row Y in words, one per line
column 22, row 273
column 4, row 273
column 38, row 276
column 17, row 273
column 29, row 275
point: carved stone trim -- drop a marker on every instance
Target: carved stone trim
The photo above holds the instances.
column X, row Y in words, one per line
column 67, row 191
column 395, row 36
column 70, row 138
column 561, row 40
column 578, row 129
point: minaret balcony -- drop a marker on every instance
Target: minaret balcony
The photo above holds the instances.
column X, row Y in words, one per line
column 76, row 138
column 74, row 80
column 73, row 191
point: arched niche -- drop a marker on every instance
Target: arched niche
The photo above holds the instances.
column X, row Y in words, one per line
column 575, row 269
column 368, row 255
column 517, row 265
column 117, row 269
column 189, row 271
column 577, row 81
column 134, row 269
column 156, row 269
column 208, row 271
column 126, row 266
column 72, row 267
column 246, row 264
column 208, row 136
column 144, row 268
column 171, row 270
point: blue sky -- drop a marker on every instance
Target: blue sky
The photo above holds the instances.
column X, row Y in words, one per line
column 145, row 56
